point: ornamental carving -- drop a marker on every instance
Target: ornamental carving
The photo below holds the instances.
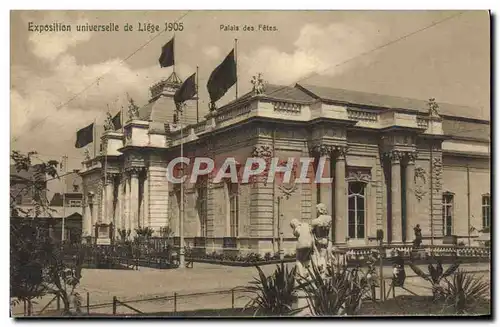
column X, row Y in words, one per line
column 86, row 153
column 394, row 156
column 420, row 179
column 341, row 151
column 262, row 151
column 265, row 152
column 133, row 109
column 437, row 170
column 359, row 176
column 258, row 84
column 322, row 150
column 108, row 123
column 134, row 171
column 411, row 157
column 289, row 188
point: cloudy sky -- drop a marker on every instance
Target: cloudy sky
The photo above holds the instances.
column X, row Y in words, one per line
column 51, row 72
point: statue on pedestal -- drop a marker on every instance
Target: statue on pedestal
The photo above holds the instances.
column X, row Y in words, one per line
column 321, row 231
column 418, row 237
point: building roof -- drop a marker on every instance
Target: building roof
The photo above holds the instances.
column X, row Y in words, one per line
column 466, row 129
column 386, row 101
column 53, row 212
column 57, row 199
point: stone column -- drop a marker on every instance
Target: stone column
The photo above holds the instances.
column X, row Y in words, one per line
column 108, row 218
column 119, row 210
column 341, row 216
column 411, row 221
column 396, row 226
column 322, row 154
column 87, row 217
column 145, row 201
column 126, row 202
column 134, row 200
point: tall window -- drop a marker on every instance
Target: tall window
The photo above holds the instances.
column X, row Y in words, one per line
column 201, row 187
column 356, row 222
column 486, row 206
column 447, row 214
column 233, row 209
column 19, row 199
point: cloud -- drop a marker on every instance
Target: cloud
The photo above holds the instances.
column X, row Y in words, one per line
column 48, row 108
column 212, row 52
column 50, row 45
column 317, row 50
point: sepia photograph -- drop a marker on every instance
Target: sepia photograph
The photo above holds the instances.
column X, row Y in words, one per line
column 250, row 163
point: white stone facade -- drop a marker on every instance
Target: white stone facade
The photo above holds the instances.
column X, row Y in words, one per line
column 390, row 167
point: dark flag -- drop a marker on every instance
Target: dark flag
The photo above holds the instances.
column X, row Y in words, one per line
column 84, row 136
column 167, row 54
column 117, row 121
column 222, row 78
column 187, row 90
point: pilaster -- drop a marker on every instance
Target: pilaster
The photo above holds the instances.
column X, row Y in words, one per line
column 396, row 213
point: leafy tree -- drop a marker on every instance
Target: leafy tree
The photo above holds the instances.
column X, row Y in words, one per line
column 37, row 266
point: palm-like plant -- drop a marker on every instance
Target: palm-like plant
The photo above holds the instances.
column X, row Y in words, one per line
column 436, row 275
column 274, row 294
column 336, row 291
column 465, row 291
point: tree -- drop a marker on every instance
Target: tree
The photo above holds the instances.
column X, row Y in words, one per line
column 37, row 264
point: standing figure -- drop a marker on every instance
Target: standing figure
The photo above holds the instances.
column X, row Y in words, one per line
column 418, row 237
column 321, row 231
column 304, row 249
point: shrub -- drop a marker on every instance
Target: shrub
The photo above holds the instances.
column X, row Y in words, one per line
column 435, row 276
column 274, row 294
column 464, row 291
column 338, row 291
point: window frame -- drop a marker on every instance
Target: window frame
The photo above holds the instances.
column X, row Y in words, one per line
column 356, row 197
column 234, row 208
column 487, row 206
column 202, row 199
column 448, row 211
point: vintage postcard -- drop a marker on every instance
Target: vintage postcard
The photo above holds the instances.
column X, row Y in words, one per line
column 250, row 163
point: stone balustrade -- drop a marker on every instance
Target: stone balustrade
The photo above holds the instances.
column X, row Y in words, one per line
column 362, row 115
column 363, row 253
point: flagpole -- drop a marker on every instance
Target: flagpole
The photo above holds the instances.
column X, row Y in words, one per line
column 173, row 53
column 181, row 222
column 63, row 228
column 197, row 97
column 95, row 137
column 236, row 61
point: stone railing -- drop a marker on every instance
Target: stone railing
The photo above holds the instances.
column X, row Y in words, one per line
column 363, row 253
column 200, row 127
column 362, row 115
column 422, row 122
column 287, row 107
column 232, row 113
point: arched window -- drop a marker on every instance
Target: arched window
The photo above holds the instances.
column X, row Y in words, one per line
column 357, row 205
